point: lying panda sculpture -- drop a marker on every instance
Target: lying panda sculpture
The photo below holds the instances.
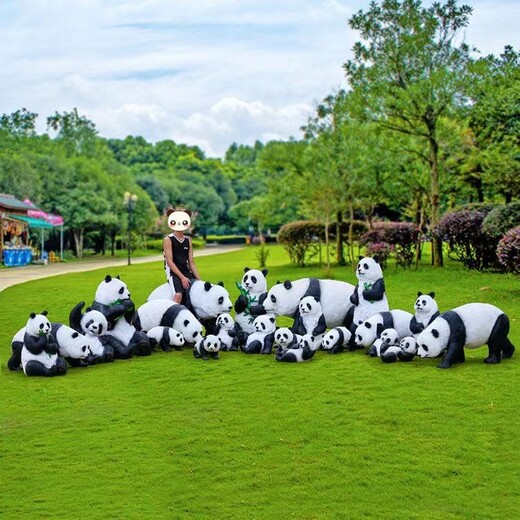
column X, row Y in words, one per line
column 371, row 329
column 468, row 326
column 336, row 340
column 164, row 338
column 305, row 351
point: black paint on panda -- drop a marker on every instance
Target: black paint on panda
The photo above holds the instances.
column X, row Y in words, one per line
column 388, row 323
column 313, row 290
column 71, row 361
column 417, row 327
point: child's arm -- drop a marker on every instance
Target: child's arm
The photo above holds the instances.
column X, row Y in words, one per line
column 168, row 255
column 191, row 261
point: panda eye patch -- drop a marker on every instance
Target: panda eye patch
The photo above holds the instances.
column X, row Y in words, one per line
column 425, row 348
column 273, row 298
column 365, row 266
column 122, row 290
column 253, row 279
column 186, row 323
column 368, row 325
column 424, row 302
column 221, row 300
column 83, row 349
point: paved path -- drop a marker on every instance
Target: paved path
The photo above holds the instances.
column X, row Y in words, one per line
column 17, row 275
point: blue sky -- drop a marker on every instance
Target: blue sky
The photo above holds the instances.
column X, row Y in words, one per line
column 204, row 72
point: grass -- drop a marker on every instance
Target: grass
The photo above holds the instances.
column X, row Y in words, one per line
column 245, row 437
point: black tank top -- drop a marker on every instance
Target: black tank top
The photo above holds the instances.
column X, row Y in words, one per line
column 180, row 252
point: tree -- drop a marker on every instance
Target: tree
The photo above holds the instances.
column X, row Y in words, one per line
column 19, row 124
column 410, row 73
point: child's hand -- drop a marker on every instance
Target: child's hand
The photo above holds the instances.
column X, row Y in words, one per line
column 185, row 282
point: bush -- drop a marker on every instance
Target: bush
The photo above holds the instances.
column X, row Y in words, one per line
column 501, row 219
column 382, row 250
column 508, row 250
column 358, row 229
column 483, row 207
column 301, row 240
column 462, row 230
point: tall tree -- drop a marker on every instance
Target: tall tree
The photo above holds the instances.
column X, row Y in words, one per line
column 409, row 71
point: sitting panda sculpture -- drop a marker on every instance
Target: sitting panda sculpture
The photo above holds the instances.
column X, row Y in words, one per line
column 164, row 338
column 369, row 296
column 468, row 326
column 227, row 332
column 285, row 338
column 371, row 329
column 336, row 340
column 207, row 347
column 305, row 351
column 112, row 299
column 426, row 310
column 311, row 318
column 261, row 341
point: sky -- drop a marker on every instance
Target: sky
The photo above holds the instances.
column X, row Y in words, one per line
column 200, row 72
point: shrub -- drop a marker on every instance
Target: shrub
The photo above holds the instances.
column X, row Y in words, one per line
column 358, row 229
column 501, row 219
column 462, row 230
column 483, row 207
column 301, row 240
column 508, row 250
column 382, row 250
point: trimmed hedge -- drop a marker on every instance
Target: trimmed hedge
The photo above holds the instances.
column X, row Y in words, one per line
column 301, row 239
column 501, row 219
column 508, row 250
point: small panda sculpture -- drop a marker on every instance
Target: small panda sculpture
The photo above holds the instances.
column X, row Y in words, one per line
column 311, row 318
column 112, row 299
column 207, row 347
column 261, row 341
column 426, row 310
column 285, row 338
column 167, row 313
column 371, row 329
column 72, row 346
column 165, row 337
column 226, row 332
column 409, row 346
column 305, row 351
column 369, row 296
column 253, row 291
column 94, row 325
column 39, row 356
column 468, row 326
column 391, row 351
column 336, row 340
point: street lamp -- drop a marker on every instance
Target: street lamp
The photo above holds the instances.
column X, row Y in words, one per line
column 130, row 201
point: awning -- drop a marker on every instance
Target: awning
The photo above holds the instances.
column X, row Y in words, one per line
column 33, row 222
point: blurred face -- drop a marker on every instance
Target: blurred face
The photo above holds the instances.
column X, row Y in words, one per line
column 179, row 220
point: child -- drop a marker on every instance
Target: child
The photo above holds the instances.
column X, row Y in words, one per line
column 178, row 254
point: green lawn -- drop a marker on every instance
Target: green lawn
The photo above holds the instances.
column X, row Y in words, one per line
column 341, row 437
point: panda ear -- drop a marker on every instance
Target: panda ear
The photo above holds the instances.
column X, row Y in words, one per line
column 317, row 301
column 75, row 334
column 265, row 271
column 32, row 315
column 435, row 333
column 221, row 283
column 271, row 319
column 88, row 309
column 379, row 329
column 188, row 212
column 360, row 257
column 169, row 211
column 207, row 286
column 278, row 282
column 419, row 293
column 376, row 259
column 108, row 278
column 118, row 277
column 44, row 313
column 287, row 284
column 432, row 294
column 247, row 269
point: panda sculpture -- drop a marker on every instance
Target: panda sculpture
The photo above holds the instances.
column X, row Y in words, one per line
column 336, row 340
column 283, row 300
column 226, row 332
column 369, row 296
column 311, row 318
column 392, row 351
column 389, row 338
column 305, row 351
column 204, row 299
column 164, row 338
column 167, row 313
column 468, row 326
column 39, row 355
column 253, row 291
column 112, row 299
column 94, row 325
column 207, row 347
column 74, row 347
column 261, row 341
column 426, row 310
column 371, row 329
column 409, row 346
column 285, row 338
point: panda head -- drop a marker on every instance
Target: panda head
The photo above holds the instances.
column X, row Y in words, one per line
column 110, row 290
column 283, row 336
column 225, row 321
column 176, row 338
column 367, row 332
column 426, row 304
column 308, row 341
column 433, row 340
column 211, row 343
column 368, row 269
column 211, row 301
column 94, row 323
column 330, row 339
column 282, row 299
column 189, row 326
column 38, row 324
column 408, row 345
column 389, row 337
column 254, row 281
column 77, row 345
column 178, row 219
column 265, row 324
column 309, row 306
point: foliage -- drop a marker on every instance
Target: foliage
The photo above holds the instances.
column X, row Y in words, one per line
column 301, row 240
column 262, row 254
column 508, row 250
column 501, row 219
column 380, row 249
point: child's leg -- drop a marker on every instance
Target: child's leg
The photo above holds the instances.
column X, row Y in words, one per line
column 176, row 286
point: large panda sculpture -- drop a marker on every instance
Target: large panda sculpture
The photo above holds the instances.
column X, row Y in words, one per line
column 371, row 329
column 112, row 299
column 468, row 326
column 204, row 299
column 167, row 313
column 305, row 351
column 283, row 300
column 369, row 296
column 426, row 310
column 261, row 341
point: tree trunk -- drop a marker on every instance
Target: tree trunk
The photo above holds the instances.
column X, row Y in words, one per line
column 327, row 250
column 434, row 168
column 339, row 239
column 351, row 236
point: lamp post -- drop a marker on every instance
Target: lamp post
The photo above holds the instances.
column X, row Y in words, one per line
column 130, row 201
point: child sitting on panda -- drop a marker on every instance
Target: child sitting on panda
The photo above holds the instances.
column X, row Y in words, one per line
column 178, row 254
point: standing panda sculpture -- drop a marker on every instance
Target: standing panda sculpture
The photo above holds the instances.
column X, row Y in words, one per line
column 112, row 299
column 311, row 318
column 207, row 347
column 369, row 296
column 334, row 296
column 426, row 310
column 468, row 326
column 227, row 332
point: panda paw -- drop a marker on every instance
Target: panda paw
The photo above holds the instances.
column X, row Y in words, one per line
column 492, row 360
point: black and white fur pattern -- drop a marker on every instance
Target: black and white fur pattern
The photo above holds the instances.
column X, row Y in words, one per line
column 72, row 346
column 409, row 345
column 227, row 332
column 207, row 347
column 165, row 337
column 311, row 318
column 371, row 329
column 305, row 351
column 261, row 341
column 391, row 350
column 468, row 326
column 285, row 338
column 336, row 340
column 426, row 310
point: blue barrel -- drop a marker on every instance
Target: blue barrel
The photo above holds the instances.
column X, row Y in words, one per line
column 17, row 257
column 8, row 257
